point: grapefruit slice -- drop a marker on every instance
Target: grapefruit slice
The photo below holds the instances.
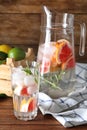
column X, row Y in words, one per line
column 28, row 105
column 54, row 59
column 45, row 66
column 24, row 105
column 70, row 63
column 64, row 51
column 24, row 91
column 32, row 104
column 55, row 68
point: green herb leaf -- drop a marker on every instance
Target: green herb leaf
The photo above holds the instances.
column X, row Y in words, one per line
column 52, row 79
column 27, row 70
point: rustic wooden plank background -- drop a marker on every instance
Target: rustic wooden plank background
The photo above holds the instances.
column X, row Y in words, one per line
column 20, row 21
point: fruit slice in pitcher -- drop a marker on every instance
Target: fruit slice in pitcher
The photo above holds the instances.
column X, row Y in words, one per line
column 70, row 63
column 45, row 66
column 64, row 51
column 54, row 59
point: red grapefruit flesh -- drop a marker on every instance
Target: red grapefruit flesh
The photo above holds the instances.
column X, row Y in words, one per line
column 44, row 68
column 32, row 104
column 64, row 51
column 24, row 91
column 70, row 63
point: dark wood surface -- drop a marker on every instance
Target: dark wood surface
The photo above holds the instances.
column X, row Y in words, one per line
column 9, row 122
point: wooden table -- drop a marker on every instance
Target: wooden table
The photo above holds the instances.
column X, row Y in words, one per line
column 9, row 122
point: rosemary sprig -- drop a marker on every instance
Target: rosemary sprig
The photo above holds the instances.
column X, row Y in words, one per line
column 53, row 80
column 53, row 85
column 27, row 70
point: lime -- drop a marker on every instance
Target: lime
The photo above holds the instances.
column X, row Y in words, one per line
column 5, row 48
column 17, row 53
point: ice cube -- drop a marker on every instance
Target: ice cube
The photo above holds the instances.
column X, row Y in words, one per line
column 29, row 80
column 32, row 89
column 18, row 77
column 49, row 50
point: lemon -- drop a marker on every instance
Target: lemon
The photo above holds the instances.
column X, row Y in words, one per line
column 5, row 48
column 17, row 53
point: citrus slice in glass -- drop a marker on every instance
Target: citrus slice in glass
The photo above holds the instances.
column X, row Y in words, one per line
column 24, row 91
column 24, row 105
column 32, row 104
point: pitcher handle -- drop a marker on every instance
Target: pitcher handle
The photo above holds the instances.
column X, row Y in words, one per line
column 82, row 39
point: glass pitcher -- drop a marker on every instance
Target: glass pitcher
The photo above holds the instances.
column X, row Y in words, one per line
column 56, row 53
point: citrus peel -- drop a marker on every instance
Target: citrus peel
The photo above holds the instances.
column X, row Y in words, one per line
column 5, row 48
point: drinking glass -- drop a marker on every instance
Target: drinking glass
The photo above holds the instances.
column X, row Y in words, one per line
column 25, row 87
